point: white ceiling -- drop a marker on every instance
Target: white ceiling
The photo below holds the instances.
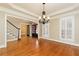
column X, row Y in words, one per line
column 6, row 5
column 36, row 8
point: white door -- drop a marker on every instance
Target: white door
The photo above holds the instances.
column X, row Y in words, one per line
column 67, row 28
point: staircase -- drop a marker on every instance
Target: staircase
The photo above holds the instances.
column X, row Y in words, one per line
column 12, row 31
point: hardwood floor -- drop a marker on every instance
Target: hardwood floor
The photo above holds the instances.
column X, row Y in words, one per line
column 32, row 47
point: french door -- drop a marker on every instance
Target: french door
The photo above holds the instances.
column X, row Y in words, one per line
column 67, row 28
column 45, row 30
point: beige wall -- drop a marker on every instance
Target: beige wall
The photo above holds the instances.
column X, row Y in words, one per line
column 77, row 27
column 54, row 27
column 40, row 30
column 23, row 29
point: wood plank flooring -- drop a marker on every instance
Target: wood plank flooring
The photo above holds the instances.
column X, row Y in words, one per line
column 32, row 47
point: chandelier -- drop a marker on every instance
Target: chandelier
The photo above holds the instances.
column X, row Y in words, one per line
column 43, row 19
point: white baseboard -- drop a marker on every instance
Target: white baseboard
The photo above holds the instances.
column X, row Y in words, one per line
column 65, row 42
column 3, row 46
column 12, row 39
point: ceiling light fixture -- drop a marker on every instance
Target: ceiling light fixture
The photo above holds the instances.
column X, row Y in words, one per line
column 43, row 19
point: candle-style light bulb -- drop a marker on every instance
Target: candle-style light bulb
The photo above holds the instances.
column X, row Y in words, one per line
column 39, row 17
column 48, row 17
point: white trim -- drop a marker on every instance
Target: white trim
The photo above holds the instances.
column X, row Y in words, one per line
column 39, row 30
column 5, row 30
column 12, row 39
column 21, row 18
column 59, row 28
column 9, row 15
column 71, row 8
column 74, row 27
column 30, row 30
column 66, row 14
column 63, row 41
column 2, row 46
column 23, row 10
column 18, row 14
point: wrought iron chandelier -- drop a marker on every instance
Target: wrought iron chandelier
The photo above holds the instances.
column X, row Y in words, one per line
column 43, row 19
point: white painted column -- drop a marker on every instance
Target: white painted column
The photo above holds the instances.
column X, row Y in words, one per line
column 38, row 30
column 30, row 30
column 3, row 30
column 20, row 33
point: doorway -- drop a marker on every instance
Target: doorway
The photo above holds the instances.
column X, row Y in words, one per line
column 28, row 30
column 34, row 31
column 23, row 29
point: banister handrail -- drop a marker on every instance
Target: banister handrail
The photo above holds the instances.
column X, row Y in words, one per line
column 15, row 27
column 12, row 24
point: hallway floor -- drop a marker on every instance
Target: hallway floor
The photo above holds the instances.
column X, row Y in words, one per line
column 31, row 47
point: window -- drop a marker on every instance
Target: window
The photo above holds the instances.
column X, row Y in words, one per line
column 45, row 30
column 67, row 28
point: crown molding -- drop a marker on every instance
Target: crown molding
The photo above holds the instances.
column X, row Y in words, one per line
column 72, row 8
column 17, row 11
column 18, row 14
column 50, row 15
column 23, row 10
